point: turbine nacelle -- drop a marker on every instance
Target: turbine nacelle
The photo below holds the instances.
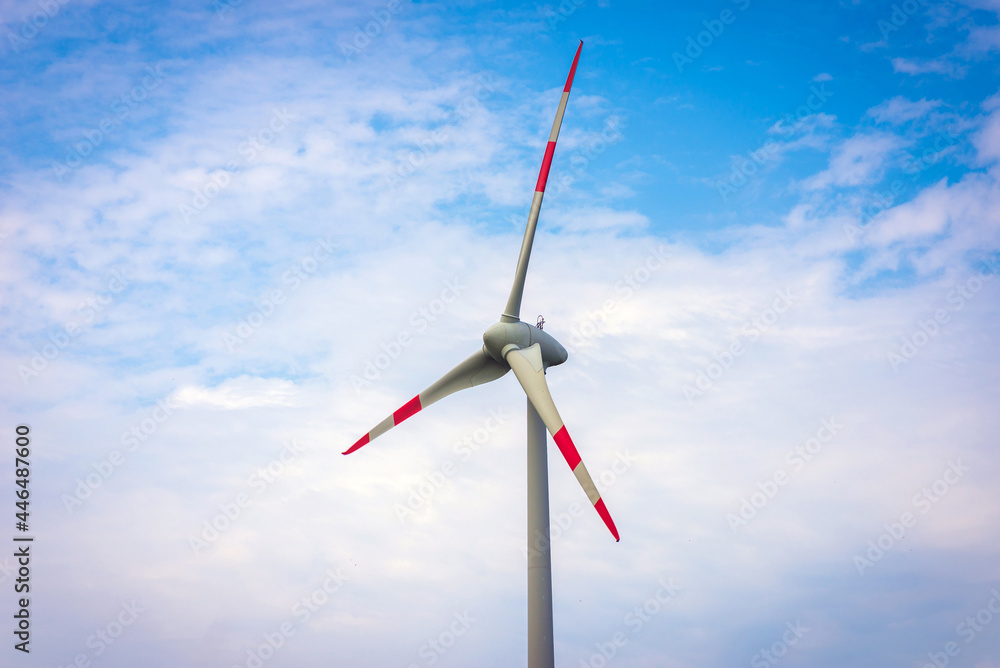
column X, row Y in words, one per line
column 504, row 337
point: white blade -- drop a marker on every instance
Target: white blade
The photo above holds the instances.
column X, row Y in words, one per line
column 512, row 312
column 527, row 366
column 479, row 368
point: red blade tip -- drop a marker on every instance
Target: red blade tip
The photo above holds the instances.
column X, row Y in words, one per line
column 364, row 440
column 572, row 70
column 602, row 510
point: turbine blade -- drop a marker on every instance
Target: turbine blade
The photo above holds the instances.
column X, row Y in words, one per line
column 527, row 366
column 512, row 312
column 479, row 368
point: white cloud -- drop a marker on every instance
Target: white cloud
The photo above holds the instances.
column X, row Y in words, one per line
column 857, row 160
column 926, row 214
column 240, row 394
column 982, row 41
column 987, row 140
column 598, row 218
column 899, row 110
column 913, row 67
column 991, row 5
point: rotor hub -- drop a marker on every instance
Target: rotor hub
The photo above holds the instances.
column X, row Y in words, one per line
column 503, row 337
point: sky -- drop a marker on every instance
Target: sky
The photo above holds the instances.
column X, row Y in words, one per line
column 235, row 235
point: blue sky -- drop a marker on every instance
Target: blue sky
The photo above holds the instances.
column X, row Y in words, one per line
column 235, row 236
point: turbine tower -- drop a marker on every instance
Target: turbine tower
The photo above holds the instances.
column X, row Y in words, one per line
column 527, row 350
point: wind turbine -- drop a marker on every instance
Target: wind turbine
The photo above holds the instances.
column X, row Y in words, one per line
column 527, row 350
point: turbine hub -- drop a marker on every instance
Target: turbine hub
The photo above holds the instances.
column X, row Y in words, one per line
column 501, row 337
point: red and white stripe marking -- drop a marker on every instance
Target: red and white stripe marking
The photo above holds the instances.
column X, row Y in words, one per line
column 569, row 452
column 550, row 148
column 409, row 409
column 512, row 311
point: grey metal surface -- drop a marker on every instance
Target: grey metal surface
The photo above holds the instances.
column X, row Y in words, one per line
column 477, row 369
column 541, row 651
